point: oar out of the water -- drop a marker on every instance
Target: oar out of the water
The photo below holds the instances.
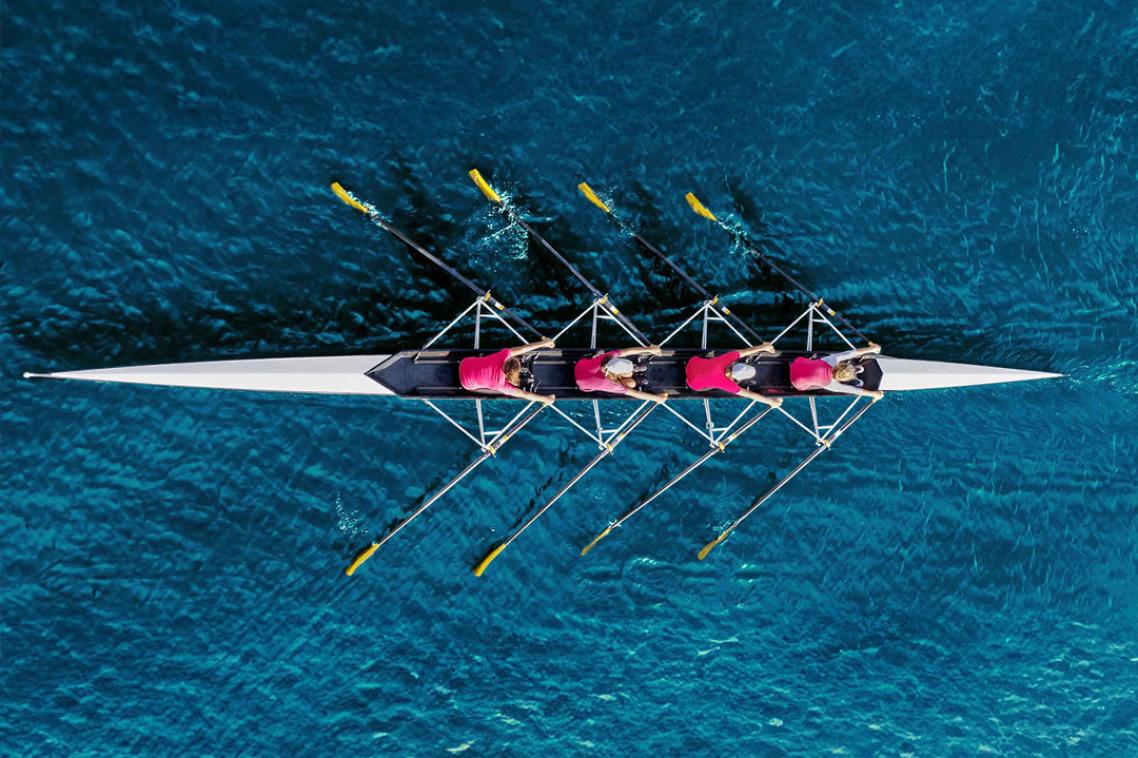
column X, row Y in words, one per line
column 758, row 502
column 515, row 217
column 491, row 450
column 592, row 197
column 716, row 449
column 607, row 451
column 701, row 210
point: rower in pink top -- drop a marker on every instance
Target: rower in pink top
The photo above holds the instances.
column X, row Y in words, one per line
column 500, row 373
column 724, row 372
column 833, row 373
column 612, row 372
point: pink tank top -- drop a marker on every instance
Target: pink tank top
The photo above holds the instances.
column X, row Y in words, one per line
column 810, row 374
column 591, row 378
column 708, row 373
column 486, row 372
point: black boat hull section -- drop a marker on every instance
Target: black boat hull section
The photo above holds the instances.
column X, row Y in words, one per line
column 434, row 374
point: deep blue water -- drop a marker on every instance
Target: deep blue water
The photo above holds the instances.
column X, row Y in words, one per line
column 957, row 577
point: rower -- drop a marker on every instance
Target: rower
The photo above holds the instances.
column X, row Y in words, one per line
column 724, row 372
column 612, row 371
column 500, row 373
column 834, row 373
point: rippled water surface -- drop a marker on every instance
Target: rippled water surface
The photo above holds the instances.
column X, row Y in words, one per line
column 957, row 577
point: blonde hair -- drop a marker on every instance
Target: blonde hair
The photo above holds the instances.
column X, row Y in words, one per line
column 513, row 369
column 844, row 372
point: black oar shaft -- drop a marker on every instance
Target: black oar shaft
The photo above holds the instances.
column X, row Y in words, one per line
column 753, row 249
column 735, row 320
column 596, row 293
column 415, row 247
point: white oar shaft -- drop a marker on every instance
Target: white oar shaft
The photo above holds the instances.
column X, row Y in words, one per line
column 496, row 445
column 758, row 503
column 581, row 474
column 693, row 466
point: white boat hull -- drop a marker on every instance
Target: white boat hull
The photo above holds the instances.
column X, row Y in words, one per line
column 346, row 375
column 903, row 374
column 341, row 375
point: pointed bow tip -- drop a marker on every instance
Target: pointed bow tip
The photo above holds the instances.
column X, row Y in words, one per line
column 34, row 375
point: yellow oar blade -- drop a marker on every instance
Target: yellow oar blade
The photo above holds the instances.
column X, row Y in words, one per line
column 484, row 185
column 711, row 545
column 699, row 207
column 597, row 539
column 591, row 196
column 361, row 558
column 346, row 196
column 488, row 559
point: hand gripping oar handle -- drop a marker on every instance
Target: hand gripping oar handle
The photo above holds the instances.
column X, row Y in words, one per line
column 758, row 502
column 369, row 210
column 701, row 210
column 495, row 198
column 592, row 197
column 491, row 450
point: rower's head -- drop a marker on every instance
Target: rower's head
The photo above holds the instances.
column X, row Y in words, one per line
column 620, row 370
column 513, row 370
column 619, row 367
column 741, row 372
column 845, row 372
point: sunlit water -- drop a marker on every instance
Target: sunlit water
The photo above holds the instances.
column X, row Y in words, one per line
column 958, row 576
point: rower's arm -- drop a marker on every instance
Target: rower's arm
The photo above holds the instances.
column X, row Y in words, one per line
column 529, row 348
column 531, row 397
column 766, row 347
column 849, row 355
column 773, row 402
column 849, row 389
column 628, row 352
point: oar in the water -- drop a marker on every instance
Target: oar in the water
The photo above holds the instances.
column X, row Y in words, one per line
column 369, row 210
column 515, row 217
column 737, row 322
column 701, row 210
column 758, row 502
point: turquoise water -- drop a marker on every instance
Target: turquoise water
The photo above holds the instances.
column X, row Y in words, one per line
column 957, row 577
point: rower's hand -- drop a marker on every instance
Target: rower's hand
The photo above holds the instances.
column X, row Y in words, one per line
column 660, row 399
column 655, row 350
column 548, row 343
column 873, row 348
column 876, row 395
column 547, row 399
column 767, row 347
column 774, row 402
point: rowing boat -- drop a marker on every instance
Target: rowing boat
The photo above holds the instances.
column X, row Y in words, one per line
column 430, row 374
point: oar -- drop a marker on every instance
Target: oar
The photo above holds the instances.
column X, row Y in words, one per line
column 607, row 451
column 369, row 210
column 491, row 450
column 514, row 216
column 758, row 502
column 718, row 448
column 592, row 197
column 701, row 210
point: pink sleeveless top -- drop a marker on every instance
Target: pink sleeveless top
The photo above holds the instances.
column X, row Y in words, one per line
column 591, row 378
column 810, row 374
column 708, row 373
column 486, row 372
